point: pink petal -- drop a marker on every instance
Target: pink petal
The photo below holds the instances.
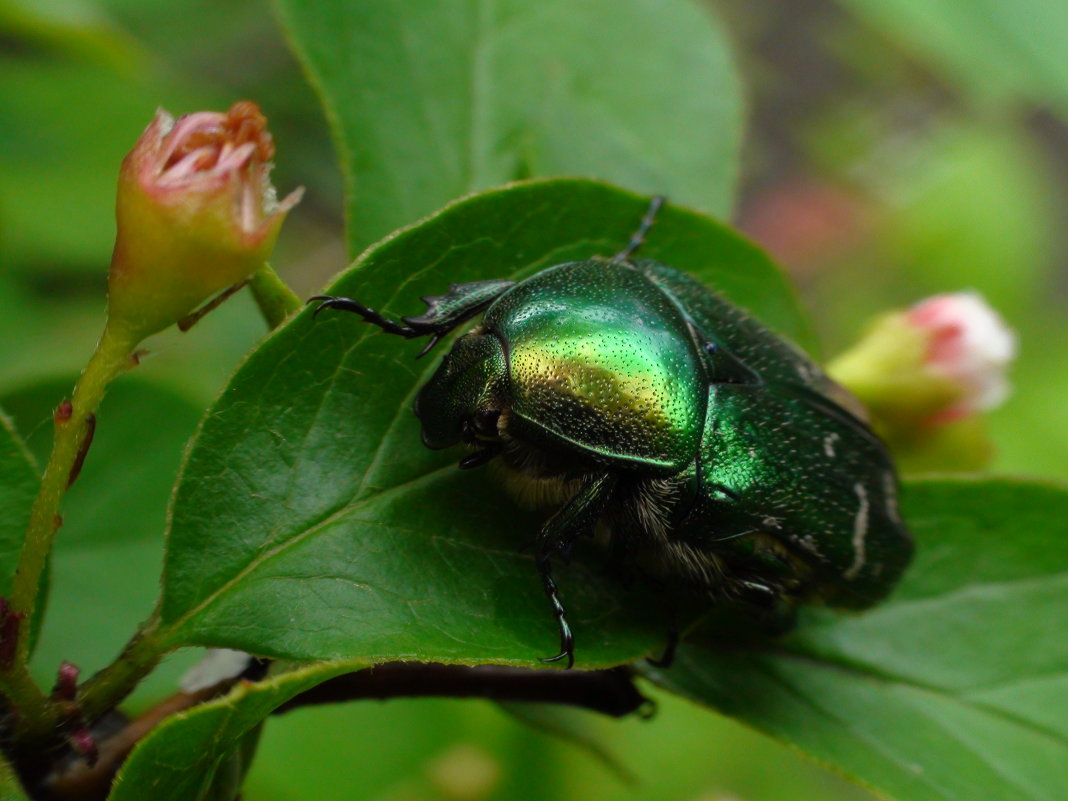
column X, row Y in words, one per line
column 187, row 166
column 233, row 158
column 188, row 125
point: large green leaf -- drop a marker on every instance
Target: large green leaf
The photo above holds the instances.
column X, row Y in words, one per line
column 433, row 100
column 311, row 523
column 18, row 487
column 957, row 687
column 188, row 756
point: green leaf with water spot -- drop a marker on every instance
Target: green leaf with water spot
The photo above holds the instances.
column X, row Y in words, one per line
column 432, row 100
column 311, row 523
column 956, row 687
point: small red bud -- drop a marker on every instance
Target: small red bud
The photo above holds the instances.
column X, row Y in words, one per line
column 84, row 743
column 83, row 449
column 66, row 681
column 63, row 412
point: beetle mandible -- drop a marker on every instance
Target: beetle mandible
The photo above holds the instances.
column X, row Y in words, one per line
column 718, row 456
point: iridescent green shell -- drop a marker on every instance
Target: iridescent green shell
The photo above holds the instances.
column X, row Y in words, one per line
column 642, row 368
column 602, row 361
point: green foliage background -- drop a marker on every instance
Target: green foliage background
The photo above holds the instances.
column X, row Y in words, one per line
column 928, row 176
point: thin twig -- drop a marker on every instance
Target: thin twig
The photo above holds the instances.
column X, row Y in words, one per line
column 609, row 692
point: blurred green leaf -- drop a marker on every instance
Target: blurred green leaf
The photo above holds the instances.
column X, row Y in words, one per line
column 310, row 522
column 968, row 205
column 18, row 488
column 954, row 688
column 1030, row 429
column 431, row 101
column 64, row 129
column 75, row 28
column 108, row 554
column 189, row 755
column 996, row 50
column 395, row 747
column 572, row 726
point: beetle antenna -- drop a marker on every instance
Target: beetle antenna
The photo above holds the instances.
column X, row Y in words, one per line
column 638, row 239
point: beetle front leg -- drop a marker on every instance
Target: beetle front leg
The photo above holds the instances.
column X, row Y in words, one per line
column 443, row 314
column 563, row 529
column 567, row 639
column 366, row 312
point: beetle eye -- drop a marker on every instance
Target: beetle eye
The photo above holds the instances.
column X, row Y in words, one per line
column 485, row 421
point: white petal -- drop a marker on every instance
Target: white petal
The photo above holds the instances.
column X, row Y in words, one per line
column 218, row 664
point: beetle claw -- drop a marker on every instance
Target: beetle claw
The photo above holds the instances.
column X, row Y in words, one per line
column 327, row 303
column 567, row 646
column 570, row 654
column 434, row 340
column 567, row 639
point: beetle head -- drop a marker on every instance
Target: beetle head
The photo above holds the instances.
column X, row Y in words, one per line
column 465, row 397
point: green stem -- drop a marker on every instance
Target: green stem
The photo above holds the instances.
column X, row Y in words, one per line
column 275, row 300
column 101, row 693
column 18, row 685
column 112, row 356
column 110, row 686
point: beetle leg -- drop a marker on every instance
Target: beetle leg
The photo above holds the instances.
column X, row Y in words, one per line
column 460, row 303
column 567, row 639
column 667, row 656
column 638, row 239
column 578, row 516
column 367, row 313
column 444, row 312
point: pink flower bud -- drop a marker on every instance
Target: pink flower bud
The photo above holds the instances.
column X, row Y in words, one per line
column 968, row 343
column 925, row 373
column 196, row 213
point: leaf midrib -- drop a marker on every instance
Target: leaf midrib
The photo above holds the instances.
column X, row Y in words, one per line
column 173, row 629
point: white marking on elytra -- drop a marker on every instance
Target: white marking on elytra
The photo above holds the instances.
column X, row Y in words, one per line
column 860, row 532
column 828, row 444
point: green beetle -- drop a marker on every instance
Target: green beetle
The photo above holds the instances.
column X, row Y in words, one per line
column 718, row 457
